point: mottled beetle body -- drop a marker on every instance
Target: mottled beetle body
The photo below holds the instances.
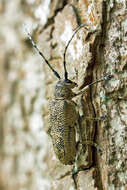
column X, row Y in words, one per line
column 63, row 118
column 63, row 115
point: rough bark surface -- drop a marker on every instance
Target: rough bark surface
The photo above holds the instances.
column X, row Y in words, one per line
column 92, row 57
column 27, row 156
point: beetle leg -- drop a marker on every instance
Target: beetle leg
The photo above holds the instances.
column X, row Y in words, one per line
column 89, row 85
column 96, row 118
column 91, row 143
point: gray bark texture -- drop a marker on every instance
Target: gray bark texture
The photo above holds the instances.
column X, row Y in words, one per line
column 27, row 159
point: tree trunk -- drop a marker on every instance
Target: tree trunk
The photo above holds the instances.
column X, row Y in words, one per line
column 93, row 55
column 27, row 156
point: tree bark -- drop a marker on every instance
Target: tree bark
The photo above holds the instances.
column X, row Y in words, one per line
column 94, row 56
column 27, row 156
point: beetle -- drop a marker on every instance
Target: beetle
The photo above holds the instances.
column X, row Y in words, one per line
column 64, row 116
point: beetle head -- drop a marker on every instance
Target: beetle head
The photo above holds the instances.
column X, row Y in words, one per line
column 64, row 89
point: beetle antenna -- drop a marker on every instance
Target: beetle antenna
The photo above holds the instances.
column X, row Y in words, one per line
column 64, row 56
column 41, row 54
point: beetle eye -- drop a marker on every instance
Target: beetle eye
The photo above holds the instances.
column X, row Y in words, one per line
column 68, row 81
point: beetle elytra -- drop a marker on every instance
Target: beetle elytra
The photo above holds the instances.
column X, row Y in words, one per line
column 63, row 113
